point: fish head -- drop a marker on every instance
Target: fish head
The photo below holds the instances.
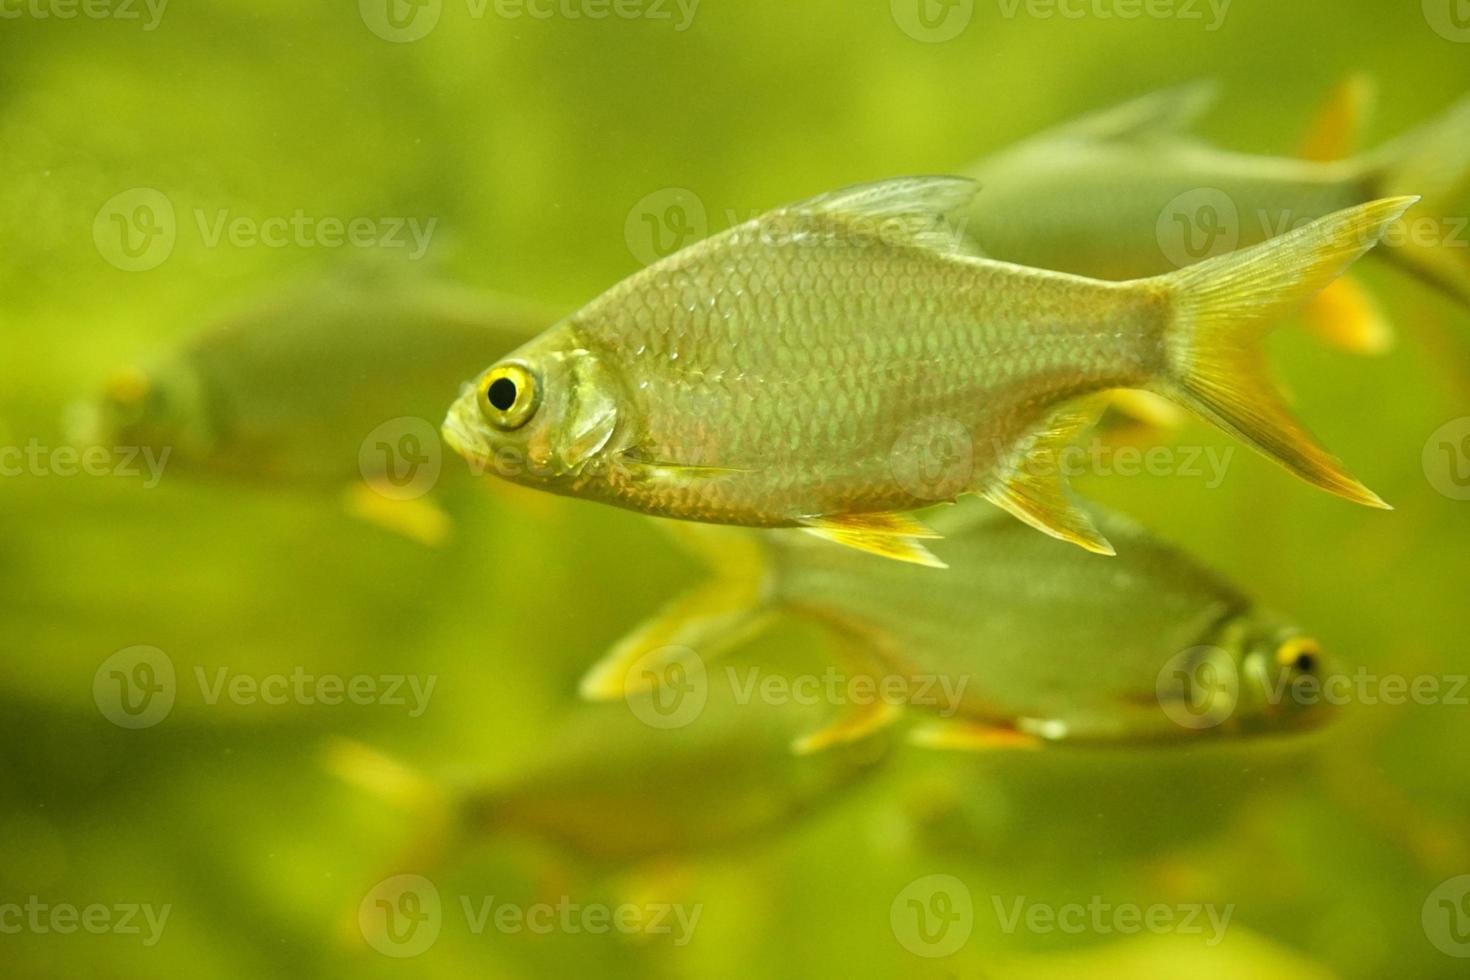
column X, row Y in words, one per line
column 159, row 407
column 540, row 416
column 1284, row 677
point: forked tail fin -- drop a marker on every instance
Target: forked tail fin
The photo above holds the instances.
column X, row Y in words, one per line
column 1222, row 310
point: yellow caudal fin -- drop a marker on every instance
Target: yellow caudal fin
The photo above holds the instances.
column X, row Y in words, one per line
column 1432, row 162
column 702, row 623
column 1338, row 129
column 1222, row 309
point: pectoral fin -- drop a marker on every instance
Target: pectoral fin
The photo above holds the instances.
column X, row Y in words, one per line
column 640, row 466
column 1346, row 316
column 419, row 519
column 964, row 735
column 887, row 535
column 1033, row 486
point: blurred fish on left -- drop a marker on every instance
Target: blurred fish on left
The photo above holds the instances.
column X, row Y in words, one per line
column 325, row 387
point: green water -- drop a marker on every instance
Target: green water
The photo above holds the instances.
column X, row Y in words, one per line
column 546, row 157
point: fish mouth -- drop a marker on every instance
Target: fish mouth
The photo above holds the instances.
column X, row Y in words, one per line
column 459, row 436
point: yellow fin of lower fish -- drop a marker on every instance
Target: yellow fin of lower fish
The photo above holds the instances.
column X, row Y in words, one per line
column 1346, row 316
column 964, row 735
column 1338, row 129
column 1222, row 309
column 1137, row 417
column 418, row 519
column 1034, row 489
column 887, row 535
column 704, row 623
column 860, row 721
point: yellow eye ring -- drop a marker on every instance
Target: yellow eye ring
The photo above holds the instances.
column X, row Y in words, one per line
column 509, row 395
column 1303, row 652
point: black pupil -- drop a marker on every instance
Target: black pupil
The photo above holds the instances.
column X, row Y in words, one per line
column 1306, row 663
column 502, row 393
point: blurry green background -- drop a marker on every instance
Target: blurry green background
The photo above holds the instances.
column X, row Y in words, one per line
column 532, row 143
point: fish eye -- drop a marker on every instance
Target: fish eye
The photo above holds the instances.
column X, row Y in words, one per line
column 1301, row 653
column 509, row 395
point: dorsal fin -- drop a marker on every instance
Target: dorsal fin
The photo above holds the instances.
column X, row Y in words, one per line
column 902, row 209
column 1166, row 113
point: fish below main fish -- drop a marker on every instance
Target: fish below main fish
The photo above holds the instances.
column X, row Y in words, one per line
column 791, row 371
column 1023, row 642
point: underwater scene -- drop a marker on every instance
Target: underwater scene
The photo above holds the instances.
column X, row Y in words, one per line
column 681, row 488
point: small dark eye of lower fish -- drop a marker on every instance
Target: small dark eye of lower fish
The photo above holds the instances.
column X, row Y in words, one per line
column 502, row 394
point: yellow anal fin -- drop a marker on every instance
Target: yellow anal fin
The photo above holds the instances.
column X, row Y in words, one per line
column 418, row 519
column 1346, row 316
column 887, row 535
column 964, row 735
column 1338, row 129
column 702, row 623
column 857, row 723
column 1034, row 486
